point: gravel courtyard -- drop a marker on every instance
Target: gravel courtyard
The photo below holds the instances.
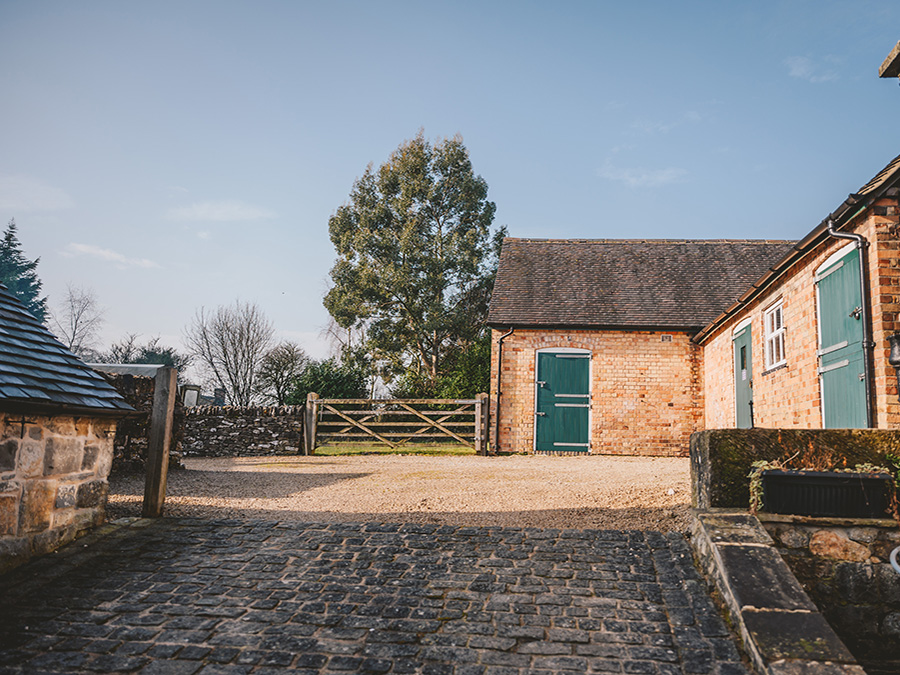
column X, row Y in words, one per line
column 600, row 492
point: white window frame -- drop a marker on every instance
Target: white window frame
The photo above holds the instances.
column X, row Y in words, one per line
column 773, row 335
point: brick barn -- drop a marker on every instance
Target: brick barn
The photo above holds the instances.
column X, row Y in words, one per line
column 57, row 425
column 629, row 346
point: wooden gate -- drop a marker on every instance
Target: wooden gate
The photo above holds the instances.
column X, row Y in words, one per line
column 396, row 422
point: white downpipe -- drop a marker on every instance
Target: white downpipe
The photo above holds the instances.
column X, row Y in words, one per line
column 894, row 563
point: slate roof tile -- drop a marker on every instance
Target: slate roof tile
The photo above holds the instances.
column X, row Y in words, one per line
column 593, row 283
column 35, row 368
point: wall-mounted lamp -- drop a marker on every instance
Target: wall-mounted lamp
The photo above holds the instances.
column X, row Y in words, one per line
column 894, row 356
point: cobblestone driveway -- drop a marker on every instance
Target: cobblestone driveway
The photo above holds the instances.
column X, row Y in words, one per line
column 192, row 596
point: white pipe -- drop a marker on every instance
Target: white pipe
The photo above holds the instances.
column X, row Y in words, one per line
column 894, row 563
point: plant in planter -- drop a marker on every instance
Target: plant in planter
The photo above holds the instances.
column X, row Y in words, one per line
column 820, row 484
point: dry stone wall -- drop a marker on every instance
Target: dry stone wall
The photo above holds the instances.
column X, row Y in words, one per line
column 53, row 485
column 133, row 432
column 212, row 431
column 844, row 568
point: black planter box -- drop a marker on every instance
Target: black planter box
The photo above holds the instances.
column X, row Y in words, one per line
column 827, row 493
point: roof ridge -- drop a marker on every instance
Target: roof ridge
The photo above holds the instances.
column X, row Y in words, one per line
column 534, row 240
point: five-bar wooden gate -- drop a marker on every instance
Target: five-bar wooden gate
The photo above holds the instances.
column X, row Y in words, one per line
column 395, row 422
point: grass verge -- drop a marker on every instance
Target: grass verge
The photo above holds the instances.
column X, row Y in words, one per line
column 378, row 449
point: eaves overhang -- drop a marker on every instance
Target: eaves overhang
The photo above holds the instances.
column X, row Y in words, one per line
column 891, row 65
column 655, row 328
column 30, row 407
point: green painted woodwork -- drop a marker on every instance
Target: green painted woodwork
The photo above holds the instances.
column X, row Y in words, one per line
column 841, row 364
column 563, row 402
column 743, row 378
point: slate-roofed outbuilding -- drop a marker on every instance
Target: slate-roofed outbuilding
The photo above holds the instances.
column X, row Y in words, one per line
column 625, row 284
column 37, row 373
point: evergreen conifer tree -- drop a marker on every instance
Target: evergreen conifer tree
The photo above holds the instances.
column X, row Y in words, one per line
column 19, row 274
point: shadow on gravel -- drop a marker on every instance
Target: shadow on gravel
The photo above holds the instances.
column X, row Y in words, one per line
column 670, row 519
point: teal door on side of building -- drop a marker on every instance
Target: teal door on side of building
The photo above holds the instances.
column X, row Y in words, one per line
column 743, row 378
column 841, row 353
column 563, row 402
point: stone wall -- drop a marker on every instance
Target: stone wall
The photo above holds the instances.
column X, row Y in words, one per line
column 242, row 432
column 722, row 458
column 788, row 396
column 782, row 630
column 133, row 432
column 646, row 397
column 844, row 568
column 53, row 485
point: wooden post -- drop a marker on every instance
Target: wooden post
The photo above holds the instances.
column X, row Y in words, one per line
column 482, row 412
column 309, row 424
column 165, row 390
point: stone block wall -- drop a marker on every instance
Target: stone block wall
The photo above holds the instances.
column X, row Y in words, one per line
column 722, row 458
column 646, row 396
column 844, row 568
column 788, row 396
column 212, row 431
column 133, row 431
column 53, row 481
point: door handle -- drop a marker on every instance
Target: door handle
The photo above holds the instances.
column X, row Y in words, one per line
column 540, row 414
column 540, row 383
column 855, row 313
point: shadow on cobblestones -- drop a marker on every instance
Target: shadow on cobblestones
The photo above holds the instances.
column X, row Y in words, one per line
column 234, row 484
column 194, row 596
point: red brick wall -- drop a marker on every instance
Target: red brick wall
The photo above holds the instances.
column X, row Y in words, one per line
column 789, row 396
column 645, row 393
column 884, row 275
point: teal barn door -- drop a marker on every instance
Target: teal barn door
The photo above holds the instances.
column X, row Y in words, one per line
column 743, row 378
column 841, row 354
column 563, row 402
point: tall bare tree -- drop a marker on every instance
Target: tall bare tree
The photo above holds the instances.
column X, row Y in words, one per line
column 78, row 321
column 229, row 344
column 280, row 368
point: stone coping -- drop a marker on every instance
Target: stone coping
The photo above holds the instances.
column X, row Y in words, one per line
column 824, row 521
column 782, row 630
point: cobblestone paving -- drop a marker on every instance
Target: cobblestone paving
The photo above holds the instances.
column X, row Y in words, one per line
column 186, row 596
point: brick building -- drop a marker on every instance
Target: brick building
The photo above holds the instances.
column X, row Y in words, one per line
column 815, row 328
column 57, row 424
column 628, row 347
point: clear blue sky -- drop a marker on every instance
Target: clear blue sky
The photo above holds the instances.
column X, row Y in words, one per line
column 172, row 155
